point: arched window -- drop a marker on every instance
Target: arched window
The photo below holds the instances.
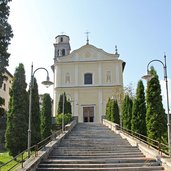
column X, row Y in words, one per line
column 88, row 78
column 63, row 52
column 61, row 39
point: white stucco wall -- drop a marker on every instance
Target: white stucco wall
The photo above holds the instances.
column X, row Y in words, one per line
column 88, row 59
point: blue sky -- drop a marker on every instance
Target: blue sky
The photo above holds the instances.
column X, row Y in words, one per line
column 140, row 28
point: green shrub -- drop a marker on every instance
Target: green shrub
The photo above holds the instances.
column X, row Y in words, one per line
column 67, row 118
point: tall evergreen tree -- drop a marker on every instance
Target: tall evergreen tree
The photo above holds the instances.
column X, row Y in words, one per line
column 116, row 112
column 5, row 36
column 67, row 105
column 155, row 117
column 108, row 110
column 127, row 112
column 35, row 118
column 112, row 117
column 46, row 116
column 139, row 111
column 17, row 117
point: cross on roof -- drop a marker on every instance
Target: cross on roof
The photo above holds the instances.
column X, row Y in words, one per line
column 87, row 33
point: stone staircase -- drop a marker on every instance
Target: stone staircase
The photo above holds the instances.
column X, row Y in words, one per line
column 93, row 147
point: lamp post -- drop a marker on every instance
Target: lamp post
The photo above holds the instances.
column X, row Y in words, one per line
column 71, row 101
column 63, row 110
column 149, row 77
column 46, row 83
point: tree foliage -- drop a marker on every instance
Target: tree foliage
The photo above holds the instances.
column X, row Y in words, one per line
column 67, row 105
column 112, row 111
column 46, row 116
column 2, row 110
column 108, row 110
column 139, row 111
column 67, row 119
column 155, row 117
column 35, row 118
column 129, row 90
column 116, row 112
column 17, row 117
column 127, row 112
column 5, row 36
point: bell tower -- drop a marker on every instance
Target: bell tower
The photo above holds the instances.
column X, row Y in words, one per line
column 62, row 46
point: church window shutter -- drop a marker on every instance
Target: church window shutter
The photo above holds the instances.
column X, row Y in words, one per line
column 88, row 78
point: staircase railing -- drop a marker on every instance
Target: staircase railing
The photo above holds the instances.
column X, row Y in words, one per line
column 161, row 147
column 23, row 156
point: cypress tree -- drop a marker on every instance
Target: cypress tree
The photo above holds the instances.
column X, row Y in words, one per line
column 116, row 112
column 35, row 118
column 68, row 107
column 155, row 117
column 139, row 111
column 46, row 116
column 112, row 117
column 135, row 118
column 127, row 112
column 67, row 104
column 60, row 104
column 5, row 37
column 108, row 106
column 17, row 117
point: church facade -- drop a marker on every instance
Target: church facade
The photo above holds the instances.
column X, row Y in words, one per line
column 89, row 76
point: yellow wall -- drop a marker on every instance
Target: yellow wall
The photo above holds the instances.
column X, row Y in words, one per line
column 96, row 94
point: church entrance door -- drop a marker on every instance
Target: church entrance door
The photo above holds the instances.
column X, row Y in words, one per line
column 88, row 114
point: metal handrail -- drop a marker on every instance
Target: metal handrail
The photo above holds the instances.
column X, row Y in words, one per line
column 161, row 147
column 34, row 150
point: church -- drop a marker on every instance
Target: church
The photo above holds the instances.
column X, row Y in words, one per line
column 89, row 76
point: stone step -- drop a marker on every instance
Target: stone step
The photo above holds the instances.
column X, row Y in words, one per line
column 106, row 149
column 111, row 154
column 114, row 147
column 86, row 150
column 97, row 165
column 73, row 136
column 96, row 153
column 115, row 150
column 92, row 156
column 91, row 130
column 100, row 160
column 93, row 147
column 144, row 168
column 97, row 150
column 94, row 141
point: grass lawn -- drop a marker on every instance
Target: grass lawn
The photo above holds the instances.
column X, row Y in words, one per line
column 5, row 157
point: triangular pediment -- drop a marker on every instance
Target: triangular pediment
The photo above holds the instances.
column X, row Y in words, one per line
column 88, row 53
